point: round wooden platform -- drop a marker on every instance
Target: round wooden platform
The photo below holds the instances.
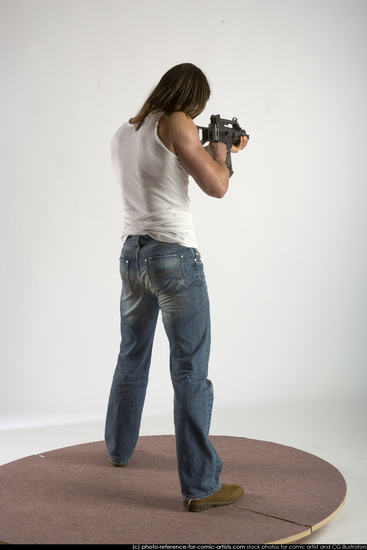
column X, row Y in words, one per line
column 75, row 495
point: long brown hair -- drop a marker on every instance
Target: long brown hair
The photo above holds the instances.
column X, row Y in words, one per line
column 183, row 88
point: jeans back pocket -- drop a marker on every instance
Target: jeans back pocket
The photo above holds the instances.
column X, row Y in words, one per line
column 167, row 273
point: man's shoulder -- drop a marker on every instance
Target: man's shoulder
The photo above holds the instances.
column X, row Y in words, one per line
column 179, row 117
column 179, row 122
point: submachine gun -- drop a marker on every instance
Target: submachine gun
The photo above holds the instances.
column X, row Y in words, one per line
column 225, row 131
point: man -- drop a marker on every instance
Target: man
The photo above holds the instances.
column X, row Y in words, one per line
column 153, row 155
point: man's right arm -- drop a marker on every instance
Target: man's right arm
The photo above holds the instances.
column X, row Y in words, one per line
column 206, row 165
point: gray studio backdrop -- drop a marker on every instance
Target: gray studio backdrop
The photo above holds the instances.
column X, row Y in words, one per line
column 284, row 251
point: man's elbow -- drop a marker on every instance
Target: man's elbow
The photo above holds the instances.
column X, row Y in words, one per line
column 216, row 188
column 219, row 193
column 221, row 188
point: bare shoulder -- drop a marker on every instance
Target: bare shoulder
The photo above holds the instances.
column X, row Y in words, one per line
column 179, row 122
column 176, row 131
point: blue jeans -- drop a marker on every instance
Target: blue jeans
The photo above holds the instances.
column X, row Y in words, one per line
column 165, row 277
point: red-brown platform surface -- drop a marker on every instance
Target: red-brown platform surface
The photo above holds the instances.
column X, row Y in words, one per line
column 75, row 495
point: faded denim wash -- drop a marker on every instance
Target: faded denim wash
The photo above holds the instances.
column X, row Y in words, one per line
column 170, row 278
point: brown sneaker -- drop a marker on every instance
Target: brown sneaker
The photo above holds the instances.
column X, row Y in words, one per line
column 227, row 494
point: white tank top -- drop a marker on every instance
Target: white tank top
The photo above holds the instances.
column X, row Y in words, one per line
column 154, row 185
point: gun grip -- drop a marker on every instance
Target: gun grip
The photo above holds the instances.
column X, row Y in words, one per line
column 229, row 163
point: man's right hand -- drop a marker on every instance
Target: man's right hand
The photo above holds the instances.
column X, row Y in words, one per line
column 217, row 150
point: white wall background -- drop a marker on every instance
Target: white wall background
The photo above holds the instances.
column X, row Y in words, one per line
column 285, row 250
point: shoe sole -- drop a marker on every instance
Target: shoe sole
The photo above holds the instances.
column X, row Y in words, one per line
column 190, row 506
column 117, row 465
